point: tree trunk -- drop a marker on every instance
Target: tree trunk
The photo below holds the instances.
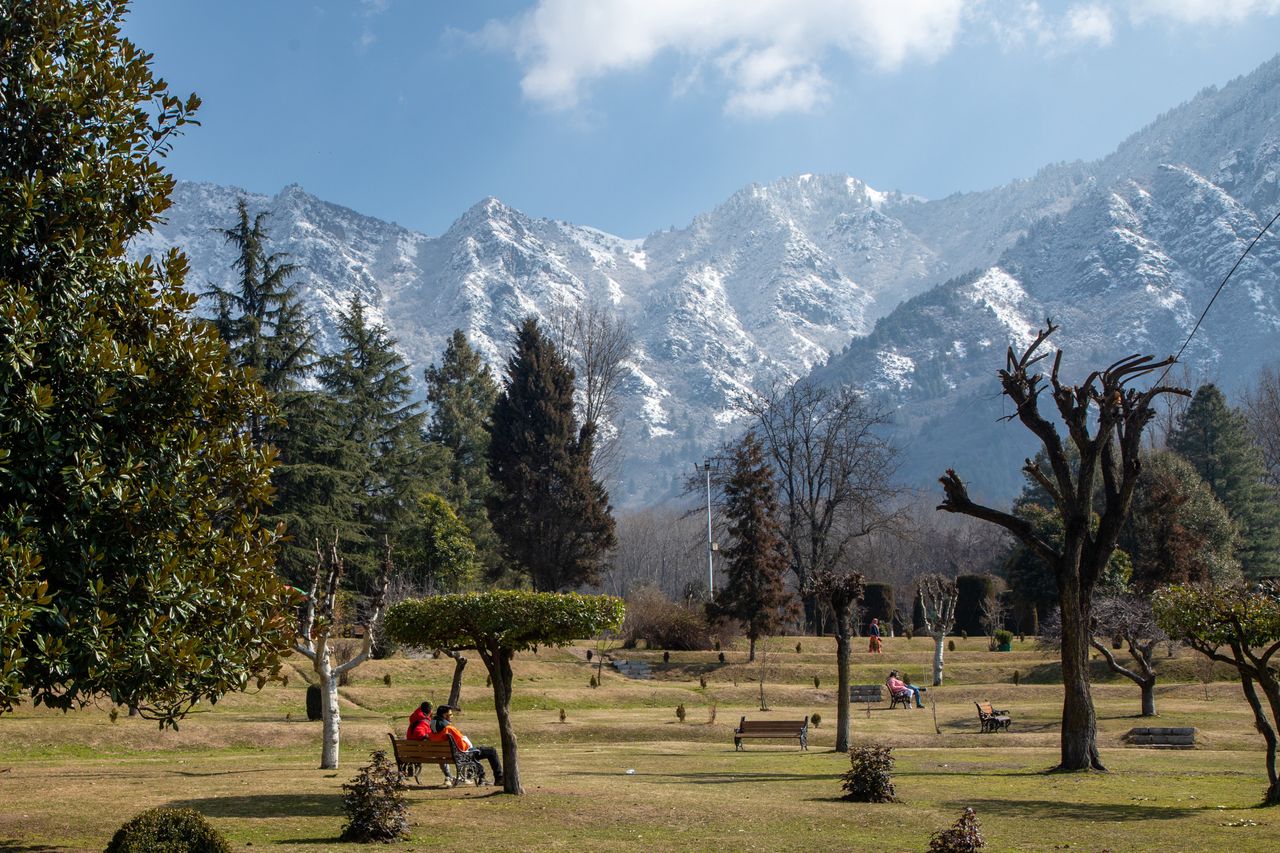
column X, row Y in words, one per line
column 844, row 648
column 455, row 689
column 331, row 715
column 1079, row 722
column 1264, row 727
column 939, row 641
column 751, row 652
column 1148, row 697
column 500, row 673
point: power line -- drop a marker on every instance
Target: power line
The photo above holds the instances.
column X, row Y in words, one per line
column 1196, row 327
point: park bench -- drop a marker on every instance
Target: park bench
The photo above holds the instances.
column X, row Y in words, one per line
column 992, row 720
column 773, row 729
column 410, row 755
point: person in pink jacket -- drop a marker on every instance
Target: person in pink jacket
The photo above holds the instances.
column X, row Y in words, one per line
column 898, row 687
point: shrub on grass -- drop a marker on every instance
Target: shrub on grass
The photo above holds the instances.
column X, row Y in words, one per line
column 868, row 779
column 964, row 836
column 815, row 720
column 374, row 802
column 168, row 831
column 662, row 623
column 680, row 712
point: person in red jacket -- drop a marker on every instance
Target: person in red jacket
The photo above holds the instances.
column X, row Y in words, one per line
column 442, row 727
column 420, row 722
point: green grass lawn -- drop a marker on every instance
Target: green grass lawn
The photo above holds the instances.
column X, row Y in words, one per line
column 67, row 781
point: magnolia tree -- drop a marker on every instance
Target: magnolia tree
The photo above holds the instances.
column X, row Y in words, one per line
column 497, row 625
column 1240, row 628
column 937, row 596
column 316, row 636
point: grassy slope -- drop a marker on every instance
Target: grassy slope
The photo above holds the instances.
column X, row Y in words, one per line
column 67, row 781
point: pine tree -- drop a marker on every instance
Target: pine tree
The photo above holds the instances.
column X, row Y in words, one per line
column 1215, row 440
column 552, row 517
column 755, row 593
column 462, row 391
column 262, row 319
column 376, row 435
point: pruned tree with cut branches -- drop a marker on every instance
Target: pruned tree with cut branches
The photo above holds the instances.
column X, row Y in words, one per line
column 841, row 590
column 1104, row 419
column 937, row 596
column 316, row 635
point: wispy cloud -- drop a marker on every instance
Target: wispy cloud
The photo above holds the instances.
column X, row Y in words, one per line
column 769, row 52
column 1202, row 11
column 771, row 55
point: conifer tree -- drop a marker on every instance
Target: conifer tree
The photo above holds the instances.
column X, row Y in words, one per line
column 376, row 435
column 755, row 593
column 552, row 517
column 462, row 392
column 1215, row 440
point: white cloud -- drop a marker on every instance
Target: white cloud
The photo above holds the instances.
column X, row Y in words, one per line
column 1202, row 11
column 770, row 54
column 375, row 7
column 1089, row 24
column 768, row 51
column 366, row 40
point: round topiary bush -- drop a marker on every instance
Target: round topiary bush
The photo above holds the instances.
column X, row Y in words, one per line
column 168, row 831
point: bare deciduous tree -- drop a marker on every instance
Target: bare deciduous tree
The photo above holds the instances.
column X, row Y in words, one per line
column 937, row 596
column 1262, row 408
column 834, row 469
column 656, row 547
column 1104, row 420
column 598, row 342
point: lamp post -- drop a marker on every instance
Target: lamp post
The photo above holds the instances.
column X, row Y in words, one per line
column 705, row 468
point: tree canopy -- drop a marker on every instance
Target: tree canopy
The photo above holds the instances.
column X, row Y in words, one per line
column 133, row 561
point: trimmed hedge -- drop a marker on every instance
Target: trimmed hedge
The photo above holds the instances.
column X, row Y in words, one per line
column 973, row 589
column 166, row 830
column 877, row 602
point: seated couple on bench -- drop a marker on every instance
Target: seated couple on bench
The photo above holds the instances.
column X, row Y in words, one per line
column 901, row 691
column 440, row 727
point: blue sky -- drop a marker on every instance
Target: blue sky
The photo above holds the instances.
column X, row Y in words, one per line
column 634, row 115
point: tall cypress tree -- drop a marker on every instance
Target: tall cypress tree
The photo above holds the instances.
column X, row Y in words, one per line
column 1215, row 440
column 552, row 517
column 462, row 392
column 376, row 434
column 758, row 560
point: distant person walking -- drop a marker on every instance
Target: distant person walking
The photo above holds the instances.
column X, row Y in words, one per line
column 873, row 632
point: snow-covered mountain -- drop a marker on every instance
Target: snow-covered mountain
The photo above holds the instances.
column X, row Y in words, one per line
column 914, row 300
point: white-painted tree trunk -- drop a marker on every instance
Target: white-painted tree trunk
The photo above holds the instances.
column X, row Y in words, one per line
column 331, row 714
column 939, row 641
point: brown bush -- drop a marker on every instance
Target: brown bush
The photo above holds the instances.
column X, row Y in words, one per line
column 663, row 623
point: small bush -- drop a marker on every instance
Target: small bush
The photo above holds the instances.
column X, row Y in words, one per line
column 1003, row 636
column 680, row 712
column 799, row 648
column 374, row 802
column 964, row 635
column 722, row 657
column 817, row 682
column 590, row 654
column 594, row 683
column 702, row 682
column 666, row 657
column 815, row 720
column 868, row 778
column 563, row 715
column 711, row 715
column 386, row 679
column 951, row 645
column 168, row 831
column 964, row 836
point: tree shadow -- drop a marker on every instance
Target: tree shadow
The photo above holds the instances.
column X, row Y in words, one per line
column 716, row 778
column 1058, row 810
column 11, row 845
column 265, row 805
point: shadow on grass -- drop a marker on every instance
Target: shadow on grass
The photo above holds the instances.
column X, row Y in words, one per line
column 265, row 805
column 8, row 845
column 718, row 778
column 1056, row 810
